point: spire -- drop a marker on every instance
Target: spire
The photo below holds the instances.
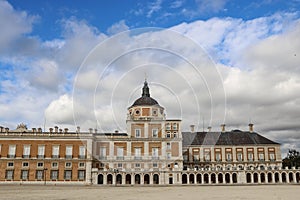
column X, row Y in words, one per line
column 145, row 90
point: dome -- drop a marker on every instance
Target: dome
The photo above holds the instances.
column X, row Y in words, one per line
column 145, row 99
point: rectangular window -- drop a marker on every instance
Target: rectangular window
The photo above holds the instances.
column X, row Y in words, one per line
column 68, row 174
column 155, row 165
column 9, row 175
column 39, row 174
column 155, row 133
column 250, row 156
column 0, row 150
column 24, row 174
column 218, row 156
column 54, row 174
column 168, row 145
column 168, row 126
column 272, row 157
column 25, row 164
column 81, row 164
column 228, row 156
column 155, row 152
column 261, row 156
column 168, row 135
column 68, row 164
column 10, row 164
column 138, row 153
column 69, row 152
column 174, row 126
column 102, row 153
column 81, row 175
column 55, row 151
column 137, row 165
column 120, row 165
column 82, row 152
column 137, row 133
column 54, row 165
column 11, row 151
column 207, row 154
column 120, row 153
column 240, row 156
column 41, row 151
column 40, row 164
column 26, row 151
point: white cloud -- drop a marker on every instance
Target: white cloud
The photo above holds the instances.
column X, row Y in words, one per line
column 14, row 24
column 211, row 6
column 60, row 111
column 154, row 7
column 117, row 28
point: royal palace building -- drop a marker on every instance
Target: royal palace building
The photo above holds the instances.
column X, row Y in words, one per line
column 152, row 151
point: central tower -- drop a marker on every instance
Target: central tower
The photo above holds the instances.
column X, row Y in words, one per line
column 145, row 108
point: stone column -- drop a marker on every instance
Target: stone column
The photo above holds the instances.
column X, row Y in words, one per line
column 151, row 179
column 142, row 179
column 273, row 177
column 195, row 179
column 104, row 179
column 132, row 179
column 188, row 178
column 294, row 178
column 114, row 178
column 230, row 177
column 123, row 178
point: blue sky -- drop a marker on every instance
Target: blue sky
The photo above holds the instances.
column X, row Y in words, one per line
column 158, row 13
column 246, row 55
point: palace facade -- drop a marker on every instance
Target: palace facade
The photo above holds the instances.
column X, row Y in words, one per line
column 153, row 151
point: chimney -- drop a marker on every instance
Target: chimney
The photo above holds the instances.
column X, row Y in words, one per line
column 60, row 130
column 56, row 129
column 66, row 130
column 39, row 130
column 251, row 127
column 223, row 127
column 209, row 129
column 34, row 130
column 96, row 130
column 192, row 128
column 1, row 129
column 90, row 130
column 6, row 130
column 116, row 131
column 51, row 130
column 78, row 129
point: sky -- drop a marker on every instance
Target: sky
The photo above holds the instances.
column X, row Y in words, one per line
column 83, row 63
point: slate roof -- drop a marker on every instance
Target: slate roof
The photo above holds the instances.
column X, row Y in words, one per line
column 235, row 137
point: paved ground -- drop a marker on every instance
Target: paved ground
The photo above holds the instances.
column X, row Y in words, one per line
column 272, row 192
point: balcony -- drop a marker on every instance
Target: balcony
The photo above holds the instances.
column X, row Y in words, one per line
column 137, row 157
column 11, row 156
column 102, row 157
column 40, row 156
column 155, row 158
column 81, row 156
column 120, row 157
column 26, row 156
column 69, row 157
column 55, row 156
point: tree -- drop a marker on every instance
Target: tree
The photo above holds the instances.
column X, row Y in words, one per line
column 292, row 159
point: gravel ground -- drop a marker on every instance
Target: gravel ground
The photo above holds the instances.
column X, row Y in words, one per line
column 272, row 192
